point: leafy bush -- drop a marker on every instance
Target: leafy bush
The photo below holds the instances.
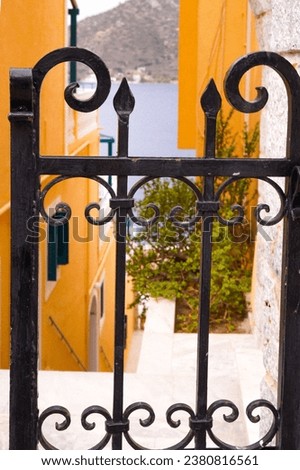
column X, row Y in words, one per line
column 164, row 260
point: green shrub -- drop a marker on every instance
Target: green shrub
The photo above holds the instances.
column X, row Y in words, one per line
column 164, row 260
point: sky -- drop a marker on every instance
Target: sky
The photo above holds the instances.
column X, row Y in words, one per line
column 93, row 7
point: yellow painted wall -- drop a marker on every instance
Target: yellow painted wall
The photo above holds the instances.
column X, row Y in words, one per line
column 66, row 300
column 26, row 35
column 108, row 257
column 212, row 36
column 187, row 73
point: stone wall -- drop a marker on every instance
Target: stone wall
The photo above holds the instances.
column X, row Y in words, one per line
column 278, row 25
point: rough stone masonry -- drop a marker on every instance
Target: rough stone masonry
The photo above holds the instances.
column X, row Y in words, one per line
column 278, row 26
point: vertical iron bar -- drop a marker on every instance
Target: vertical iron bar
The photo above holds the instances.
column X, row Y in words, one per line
column 211, row 103
column 123, row 103
column 119, row 310
column 289, row 341
column 203, row 328
column 24, row 266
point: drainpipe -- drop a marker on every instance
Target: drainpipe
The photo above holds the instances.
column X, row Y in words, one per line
column 109, row 140
column 73, row 12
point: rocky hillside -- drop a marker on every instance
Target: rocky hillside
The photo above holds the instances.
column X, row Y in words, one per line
column 137, row 39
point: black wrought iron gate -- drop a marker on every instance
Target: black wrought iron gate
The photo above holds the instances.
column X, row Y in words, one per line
column 27, row 200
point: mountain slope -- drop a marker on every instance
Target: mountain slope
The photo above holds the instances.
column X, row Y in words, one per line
column 137, row 39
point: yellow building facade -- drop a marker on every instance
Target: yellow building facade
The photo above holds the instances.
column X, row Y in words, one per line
column 76, row 299
column 212, row 35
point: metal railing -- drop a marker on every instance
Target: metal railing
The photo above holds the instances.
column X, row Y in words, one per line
column 67, row 343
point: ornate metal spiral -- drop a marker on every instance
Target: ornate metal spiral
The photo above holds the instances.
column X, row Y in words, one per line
column 143, row 422
column 291, row 81
column 241, row 66
column 156, row 211
column 175, row 424
column 261, row 443
column 259, row 209
column 265, row 207
column 194, row 423
column 151, row 418
column 53, row 410
column 68, row 54
column 187, row 223
column 90, row 426
column 60, row 410
column 65, row 208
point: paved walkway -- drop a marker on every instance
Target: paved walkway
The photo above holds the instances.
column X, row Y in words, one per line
column 235, row 370
column 161, row 372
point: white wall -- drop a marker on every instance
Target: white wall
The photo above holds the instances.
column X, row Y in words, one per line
column 278, row 28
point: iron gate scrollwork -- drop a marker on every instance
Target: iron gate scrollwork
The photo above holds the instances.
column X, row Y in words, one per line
column 26, row 425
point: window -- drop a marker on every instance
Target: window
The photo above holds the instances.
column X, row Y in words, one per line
column 58, row 245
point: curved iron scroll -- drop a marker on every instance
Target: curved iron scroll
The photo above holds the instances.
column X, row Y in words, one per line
column 67, row 54
column 291, row 80
column 195, row 424
column 67, row 209
column 201, row 205
column 262, row 207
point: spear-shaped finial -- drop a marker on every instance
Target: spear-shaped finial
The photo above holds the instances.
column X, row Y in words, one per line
column 211, row 100
column 124, row 104
column 211, row 105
